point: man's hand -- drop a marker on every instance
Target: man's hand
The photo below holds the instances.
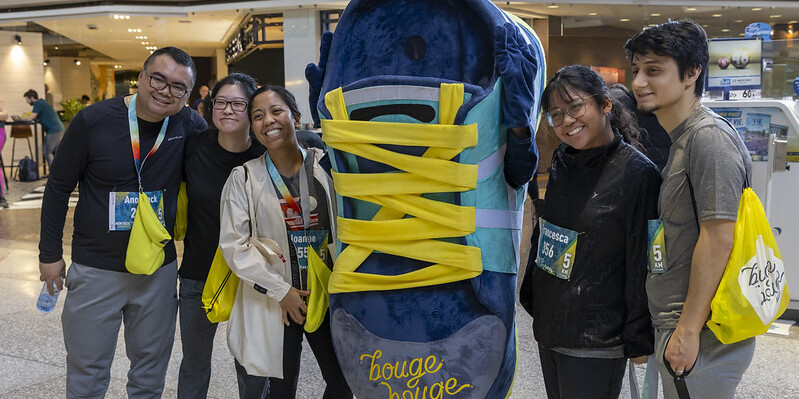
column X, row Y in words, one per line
column 293, row 306
column 53, row 273
column 682, row 350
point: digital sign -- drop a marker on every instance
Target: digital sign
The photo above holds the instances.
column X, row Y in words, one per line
column 735, row 64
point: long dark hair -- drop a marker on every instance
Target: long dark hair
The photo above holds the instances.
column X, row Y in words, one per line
column 582, row 78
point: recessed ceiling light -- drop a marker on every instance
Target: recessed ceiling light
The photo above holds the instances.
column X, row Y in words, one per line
column 690, row 9
column 725, row 30
column 592, row 14
column 717, row 15
column 654, row 15
column 793, row 22
column 705, row 26
column 553, row 6
column 624, row 20
column 738, row 21
column 775, row 16
column 757, row 9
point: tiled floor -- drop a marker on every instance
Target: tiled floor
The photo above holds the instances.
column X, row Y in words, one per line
column 32, row 356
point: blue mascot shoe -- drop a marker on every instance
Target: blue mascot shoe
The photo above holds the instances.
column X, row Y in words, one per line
column 415, row 99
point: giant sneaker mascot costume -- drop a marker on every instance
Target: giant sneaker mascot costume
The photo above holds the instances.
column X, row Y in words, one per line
column 416, row 98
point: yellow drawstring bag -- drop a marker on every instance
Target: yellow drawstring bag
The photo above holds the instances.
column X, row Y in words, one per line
column 182, row 215
column 220, row 288
column 318, row 301
column 148, row 236
column 753, row 291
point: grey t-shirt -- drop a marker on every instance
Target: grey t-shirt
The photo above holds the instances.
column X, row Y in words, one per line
column 706, row 148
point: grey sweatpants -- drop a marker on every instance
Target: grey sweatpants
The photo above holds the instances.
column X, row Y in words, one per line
column 96, row 304
column 717, row 371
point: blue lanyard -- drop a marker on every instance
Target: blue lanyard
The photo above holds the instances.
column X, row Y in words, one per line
column 284, row 191
column 133, row 124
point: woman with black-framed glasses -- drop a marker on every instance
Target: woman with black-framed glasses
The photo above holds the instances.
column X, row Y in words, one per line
column 210, row 156
column 587, row 294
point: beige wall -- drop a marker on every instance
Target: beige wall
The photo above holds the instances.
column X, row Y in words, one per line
column 67, row 80
column 21, row 67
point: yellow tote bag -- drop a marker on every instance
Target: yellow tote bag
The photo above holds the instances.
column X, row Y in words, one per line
column 318, row 301
column 182, row 216
column 219, row 291
column 753, row 291
column 148, row 236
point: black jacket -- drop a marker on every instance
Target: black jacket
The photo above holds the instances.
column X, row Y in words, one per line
column 607, row 195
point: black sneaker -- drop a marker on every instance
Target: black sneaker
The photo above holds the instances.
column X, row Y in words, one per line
column 3, row 202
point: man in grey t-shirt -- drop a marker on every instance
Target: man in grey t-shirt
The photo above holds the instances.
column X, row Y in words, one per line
column 707, row 169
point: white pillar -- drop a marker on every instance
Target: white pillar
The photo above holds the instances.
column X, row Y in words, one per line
column 301, row 38
column 218, row 66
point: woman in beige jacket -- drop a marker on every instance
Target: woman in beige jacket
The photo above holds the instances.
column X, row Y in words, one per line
column 276, row 210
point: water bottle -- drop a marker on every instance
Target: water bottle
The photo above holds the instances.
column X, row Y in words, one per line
column 46, row 302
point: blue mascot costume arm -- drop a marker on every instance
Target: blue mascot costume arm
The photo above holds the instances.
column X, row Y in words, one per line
column 316, row 75
column 517, row 65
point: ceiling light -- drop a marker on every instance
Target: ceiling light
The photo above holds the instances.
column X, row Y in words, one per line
column 757, row 9
column 624, row 20
column 18, row 39
column 740, row 34
column 775, row 16
column 46, row 62
column 592, row 14
column 704, row 26
column 56, row 47
column 717, row 15
column 690, row 9
column 725, row 30
column 654, row 15
column 738, row 21
column 793, row 22
column 553, row 6
column 76, row 61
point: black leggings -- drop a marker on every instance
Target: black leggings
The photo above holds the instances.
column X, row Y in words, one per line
column 321, row 344
column 569, row 377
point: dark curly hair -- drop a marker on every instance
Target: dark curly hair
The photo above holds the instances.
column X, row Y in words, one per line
column 582, row 78
column 681, row 39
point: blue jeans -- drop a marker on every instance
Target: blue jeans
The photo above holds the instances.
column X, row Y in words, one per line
column 197, row 338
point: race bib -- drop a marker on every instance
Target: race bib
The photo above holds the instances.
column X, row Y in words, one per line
column 657, row 247
column 317, row 239
column 556, row 248
column 122, row 207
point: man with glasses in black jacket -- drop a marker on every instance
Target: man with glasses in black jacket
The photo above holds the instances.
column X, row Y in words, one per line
column 113, row 149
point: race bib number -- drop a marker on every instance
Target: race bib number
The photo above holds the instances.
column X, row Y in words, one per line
column 122, row 207
column 657, row 247
column 317, row 239
column 556, row 248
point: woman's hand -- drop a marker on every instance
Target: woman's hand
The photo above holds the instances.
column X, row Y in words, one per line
column 293, row 306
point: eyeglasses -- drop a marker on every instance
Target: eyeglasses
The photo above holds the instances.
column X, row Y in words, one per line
column 220, row 104
column 159, row 84
column 575, row 109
